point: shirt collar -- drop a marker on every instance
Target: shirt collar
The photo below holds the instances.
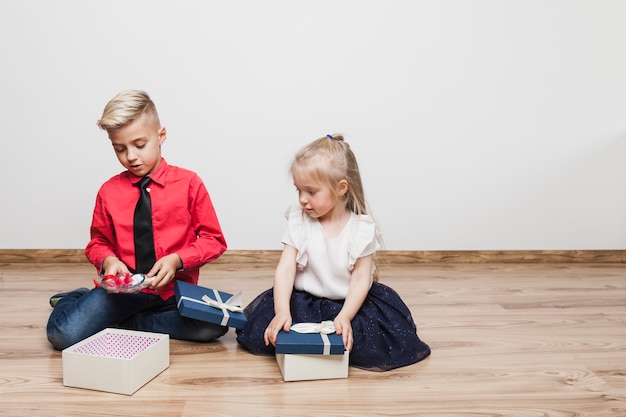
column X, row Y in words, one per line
column 157, row 176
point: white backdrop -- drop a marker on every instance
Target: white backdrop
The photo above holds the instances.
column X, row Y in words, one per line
column 478, row 124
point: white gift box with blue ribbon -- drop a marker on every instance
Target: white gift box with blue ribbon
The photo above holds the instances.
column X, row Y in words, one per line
column 311, row 351
column 209, row 305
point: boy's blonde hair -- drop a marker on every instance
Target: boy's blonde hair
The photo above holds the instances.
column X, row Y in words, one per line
column 330, row 160
column 126, row 107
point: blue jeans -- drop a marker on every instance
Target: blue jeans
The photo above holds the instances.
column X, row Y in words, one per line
column 83, row 313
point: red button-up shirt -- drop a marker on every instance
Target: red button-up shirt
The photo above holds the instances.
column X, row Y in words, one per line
column 183, row 220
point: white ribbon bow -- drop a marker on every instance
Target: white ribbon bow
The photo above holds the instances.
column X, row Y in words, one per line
column 324, row 329
column 232, row 304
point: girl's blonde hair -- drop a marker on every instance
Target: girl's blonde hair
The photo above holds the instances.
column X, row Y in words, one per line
column 125, row 107
column 330, row 160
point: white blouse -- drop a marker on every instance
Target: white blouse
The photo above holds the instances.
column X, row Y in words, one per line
column 325, row 265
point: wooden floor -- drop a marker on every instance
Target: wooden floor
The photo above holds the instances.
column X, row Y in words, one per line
column 522, row 340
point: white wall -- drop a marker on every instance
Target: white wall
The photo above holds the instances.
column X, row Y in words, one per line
column 477, row 124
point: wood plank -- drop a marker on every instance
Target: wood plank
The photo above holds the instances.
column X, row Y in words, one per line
column 270, row 257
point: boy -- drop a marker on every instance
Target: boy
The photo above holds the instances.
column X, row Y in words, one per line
column 181, row 218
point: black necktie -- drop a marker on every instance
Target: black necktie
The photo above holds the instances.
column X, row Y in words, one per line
column 144, row 240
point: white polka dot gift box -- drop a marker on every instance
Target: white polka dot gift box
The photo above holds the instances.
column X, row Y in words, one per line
column 116, row 360
column 311, row 351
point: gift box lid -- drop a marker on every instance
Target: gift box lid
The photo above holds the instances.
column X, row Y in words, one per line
column 309, row 343
column 189, row 298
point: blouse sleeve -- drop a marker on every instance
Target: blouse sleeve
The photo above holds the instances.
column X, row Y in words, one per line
column 296, row 234
column 365, row 238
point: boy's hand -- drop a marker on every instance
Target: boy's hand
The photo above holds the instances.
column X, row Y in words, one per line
column 344, row 328
column 113, row 266
column 164, row 270
column 278, row 323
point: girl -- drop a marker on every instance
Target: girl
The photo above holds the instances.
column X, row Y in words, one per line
column 326, row 270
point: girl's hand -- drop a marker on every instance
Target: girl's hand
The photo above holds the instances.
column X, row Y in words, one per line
column 360, row 282
column 344, row 328
column 278, row 323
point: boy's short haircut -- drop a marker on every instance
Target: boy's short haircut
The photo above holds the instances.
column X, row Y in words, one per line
column 125, row 107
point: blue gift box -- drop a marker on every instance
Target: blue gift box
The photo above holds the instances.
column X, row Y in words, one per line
column 309, row 343
column 190, row 304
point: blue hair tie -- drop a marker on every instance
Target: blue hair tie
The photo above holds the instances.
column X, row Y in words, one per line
column 329, row 136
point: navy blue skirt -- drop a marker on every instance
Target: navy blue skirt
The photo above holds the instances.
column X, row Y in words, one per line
column 385, row 336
